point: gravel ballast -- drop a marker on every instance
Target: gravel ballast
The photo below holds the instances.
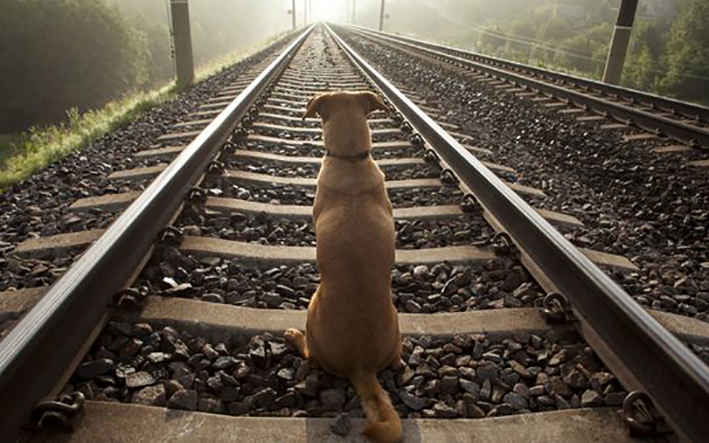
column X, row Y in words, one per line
column 311, row 171
column 501, row 283
column 468, row 376
column 311, row 150
column 272, row 230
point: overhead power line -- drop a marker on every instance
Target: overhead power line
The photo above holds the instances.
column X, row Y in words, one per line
column 509, row 37
column 531, row 41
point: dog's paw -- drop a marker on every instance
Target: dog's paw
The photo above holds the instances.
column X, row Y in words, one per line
column 294, row 337
column 297, row 339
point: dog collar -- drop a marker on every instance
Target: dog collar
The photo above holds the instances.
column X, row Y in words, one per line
column 360, row 156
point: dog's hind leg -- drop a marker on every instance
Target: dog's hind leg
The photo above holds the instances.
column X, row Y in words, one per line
column 297, row 339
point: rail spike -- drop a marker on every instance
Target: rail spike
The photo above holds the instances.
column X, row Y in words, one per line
column 501, row 244
column 197, row 196
column 417, row 140
column 57, row 414
column 397, row 118
column 642, row 417
column 131, row 298
column 470, row 204
column 430, row 156
column 556, row 309
column 170, row 237
column 241, row 133
column 216, row 168
column 448, row 178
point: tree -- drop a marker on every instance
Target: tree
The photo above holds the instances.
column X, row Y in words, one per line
column 157, row 38
column 524, row 29
column 687, row 76
column 643, row 67
column 491, row 41
column 61, row 54
column 556, row 29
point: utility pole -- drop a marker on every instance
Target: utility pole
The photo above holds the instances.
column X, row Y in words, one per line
column 620, row 42
column 381, row 17
column 305, row 12
column 293, row 12
column 354, row 11
column 182, row 39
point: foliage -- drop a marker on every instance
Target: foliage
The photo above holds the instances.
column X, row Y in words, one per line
column 23, row 154
column 40, row 147
column 156, row 36
column 688, row 55
column 643, row 67
column 62, row 54
column 9, row 145
column 218, row 27
column 556, row 29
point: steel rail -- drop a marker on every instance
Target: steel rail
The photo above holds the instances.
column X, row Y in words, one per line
column 680, row 131
column 38, row 350
column 634, row 345
column 689, row 110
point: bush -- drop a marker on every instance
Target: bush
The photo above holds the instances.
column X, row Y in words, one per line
column 157, row 36
column 63, row 54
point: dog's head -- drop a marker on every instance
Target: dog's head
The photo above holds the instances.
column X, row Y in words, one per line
column 326, row 104
column 344, row 116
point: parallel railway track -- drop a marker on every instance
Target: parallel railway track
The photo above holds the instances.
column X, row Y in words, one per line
column 193, row 320
column 658, row 117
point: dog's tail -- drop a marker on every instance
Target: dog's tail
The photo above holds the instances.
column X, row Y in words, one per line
column 384, row 423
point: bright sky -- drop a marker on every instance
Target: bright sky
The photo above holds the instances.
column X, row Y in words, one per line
column 329, row 10
column 323, row 10
column 338, row 11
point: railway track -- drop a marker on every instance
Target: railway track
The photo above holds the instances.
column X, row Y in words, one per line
column 644, row 116
column 182, row 300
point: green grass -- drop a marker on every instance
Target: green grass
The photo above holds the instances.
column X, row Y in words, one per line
column 23, row 154
column 8, row 146
column 37, row 148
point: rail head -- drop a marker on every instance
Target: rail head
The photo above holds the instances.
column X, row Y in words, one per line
column 36, row 353
column 625, row 336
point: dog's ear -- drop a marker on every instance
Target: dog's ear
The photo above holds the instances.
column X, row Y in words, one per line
column 314, row 105
column 371, row 102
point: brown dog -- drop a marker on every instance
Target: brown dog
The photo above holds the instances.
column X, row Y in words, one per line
column 353, row 329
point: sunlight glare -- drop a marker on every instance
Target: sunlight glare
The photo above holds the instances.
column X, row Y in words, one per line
column 329, row 10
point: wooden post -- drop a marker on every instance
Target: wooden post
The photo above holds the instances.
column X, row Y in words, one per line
column 621, row 39
column 293, row 12
column 182, row 38
column 381, row 17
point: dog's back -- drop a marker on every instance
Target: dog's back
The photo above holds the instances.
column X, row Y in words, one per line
column 355, row 253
